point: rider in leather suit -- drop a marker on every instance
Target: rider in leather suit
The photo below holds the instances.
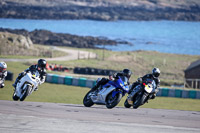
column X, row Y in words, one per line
column 3, row 73
column 103, row 81
column 41, row 67
column 154, row 76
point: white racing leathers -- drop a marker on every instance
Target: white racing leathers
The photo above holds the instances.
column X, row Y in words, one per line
column 2, row 78
column 27, row 85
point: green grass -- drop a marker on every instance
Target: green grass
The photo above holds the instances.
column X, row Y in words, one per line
column 172, row 66
column 140, row 62
column 74, row 95
column 55, row 53
column 18, row 57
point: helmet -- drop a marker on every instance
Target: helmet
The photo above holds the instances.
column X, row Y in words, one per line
column 42, row 63
column 3, row 66
column 127, row 73
column 156, row 72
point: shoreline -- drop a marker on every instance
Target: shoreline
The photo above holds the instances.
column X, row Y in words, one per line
column 46, row 37
column 107, row 10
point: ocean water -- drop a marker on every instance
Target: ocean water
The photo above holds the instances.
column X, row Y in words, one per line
column 177, row 37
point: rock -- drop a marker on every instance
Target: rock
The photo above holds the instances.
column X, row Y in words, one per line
column 16, row 40
column 59, row 39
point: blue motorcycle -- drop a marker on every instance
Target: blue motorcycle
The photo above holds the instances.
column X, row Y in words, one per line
column 109, row 94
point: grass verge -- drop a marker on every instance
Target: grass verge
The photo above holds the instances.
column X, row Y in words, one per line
column 74, row 95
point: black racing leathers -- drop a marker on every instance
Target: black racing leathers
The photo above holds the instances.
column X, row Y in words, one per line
column 147, row 76
column 103, row 81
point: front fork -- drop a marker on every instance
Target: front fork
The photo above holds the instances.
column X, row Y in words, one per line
column 18, row 90
column 115, row 92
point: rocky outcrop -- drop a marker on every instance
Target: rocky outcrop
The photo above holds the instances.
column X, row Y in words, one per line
column 187, row 10
column 15, row 40
column 12, row 44
column 60, row 39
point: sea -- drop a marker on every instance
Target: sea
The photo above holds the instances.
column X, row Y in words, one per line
column 177, row 37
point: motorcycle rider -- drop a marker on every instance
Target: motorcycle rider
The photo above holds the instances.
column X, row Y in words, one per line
column 126, row 72
column 40, row 67
column 3, row 73
column 154, row 76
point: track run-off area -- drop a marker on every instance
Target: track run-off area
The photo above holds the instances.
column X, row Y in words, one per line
column 39, row 117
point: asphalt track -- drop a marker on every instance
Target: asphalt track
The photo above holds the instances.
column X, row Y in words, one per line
column 38, row 117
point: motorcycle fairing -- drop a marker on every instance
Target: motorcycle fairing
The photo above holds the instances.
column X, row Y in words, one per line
column 100, row 98
column 27, row 79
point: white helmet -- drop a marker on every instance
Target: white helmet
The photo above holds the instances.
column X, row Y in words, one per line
column 3, row 66
column 156, row 72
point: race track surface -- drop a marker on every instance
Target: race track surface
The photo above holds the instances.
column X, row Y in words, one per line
column 38, row 117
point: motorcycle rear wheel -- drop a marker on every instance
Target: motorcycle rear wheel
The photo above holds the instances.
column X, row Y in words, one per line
column 87, row 101
column 112, row 102
column 126, row 104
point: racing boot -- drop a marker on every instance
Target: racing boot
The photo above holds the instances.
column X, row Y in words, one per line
column 36, row 89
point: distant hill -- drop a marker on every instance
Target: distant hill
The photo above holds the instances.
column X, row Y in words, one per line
column 186, row 10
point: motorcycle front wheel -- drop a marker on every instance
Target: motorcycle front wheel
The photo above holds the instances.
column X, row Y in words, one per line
column 140, row 100
column 15, row 97
column 25, row 92
column 87, row 101
column 113, row 101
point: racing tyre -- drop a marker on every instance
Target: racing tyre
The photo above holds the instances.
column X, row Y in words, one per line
column 113, row 101
column 25, row 93
column 87, row 101
column 140, row 99
column 126, row 104
column 15, row 97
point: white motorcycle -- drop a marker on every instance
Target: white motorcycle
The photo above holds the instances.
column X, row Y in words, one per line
column 26, row 85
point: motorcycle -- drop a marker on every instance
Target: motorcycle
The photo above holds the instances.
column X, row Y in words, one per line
column 26, row 85
column 109, row 94
column 144, row 92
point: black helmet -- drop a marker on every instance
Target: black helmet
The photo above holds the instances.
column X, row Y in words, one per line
column 42, row 63
column 156, row 72
column 127, row 73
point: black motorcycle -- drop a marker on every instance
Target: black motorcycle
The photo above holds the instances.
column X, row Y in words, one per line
column 141, row 94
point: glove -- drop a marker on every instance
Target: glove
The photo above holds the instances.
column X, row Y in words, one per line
column 114, row 75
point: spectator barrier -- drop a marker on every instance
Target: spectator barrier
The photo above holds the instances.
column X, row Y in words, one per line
column 68, row 80
column 84, row 82
column 93, row 71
